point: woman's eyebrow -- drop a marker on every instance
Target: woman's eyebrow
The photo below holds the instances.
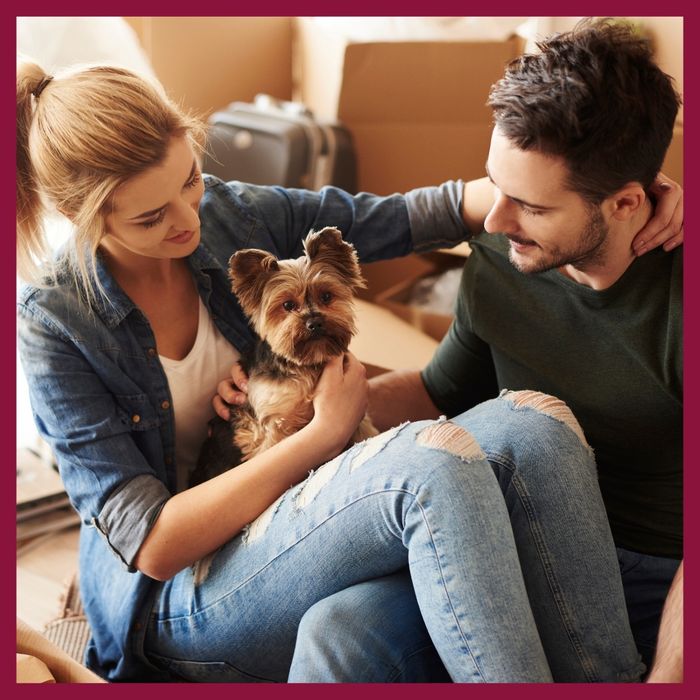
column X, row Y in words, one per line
column 152, row 212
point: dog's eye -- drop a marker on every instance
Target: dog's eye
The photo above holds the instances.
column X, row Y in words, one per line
column 326, row 297
column 289, row 305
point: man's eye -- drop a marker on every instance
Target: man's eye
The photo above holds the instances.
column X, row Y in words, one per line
column 530, row 212
column 289, row 305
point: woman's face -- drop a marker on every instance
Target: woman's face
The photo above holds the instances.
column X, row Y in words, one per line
column 155, row 213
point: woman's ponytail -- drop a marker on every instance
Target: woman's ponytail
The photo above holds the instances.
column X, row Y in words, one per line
column 32, row 248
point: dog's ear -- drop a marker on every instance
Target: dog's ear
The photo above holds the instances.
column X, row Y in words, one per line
column 249, row 271
column 327, row 247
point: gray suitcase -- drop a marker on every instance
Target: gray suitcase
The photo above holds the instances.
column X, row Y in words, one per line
column 272, row 142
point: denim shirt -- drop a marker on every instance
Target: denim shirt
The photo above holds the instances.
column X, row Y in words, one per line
column 100, row 397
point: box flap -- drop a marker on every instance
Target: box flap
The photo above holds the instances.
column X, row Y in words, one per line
column 421, row 82
column 387, row 342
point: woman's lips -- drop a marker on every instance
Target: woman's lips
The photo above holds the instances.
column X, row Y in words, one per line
column 181, row 237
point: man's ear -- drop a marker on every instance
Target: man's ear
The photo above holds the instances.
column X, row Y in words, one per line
column 327, row 247
column 249, row 271
column 627, row 201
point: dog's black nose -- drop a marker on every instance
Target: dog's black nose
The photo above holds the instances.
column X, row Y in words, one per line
column 314, row 324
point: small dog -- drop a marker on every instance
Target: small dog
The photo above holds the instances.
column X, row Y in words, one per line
column 302, row 311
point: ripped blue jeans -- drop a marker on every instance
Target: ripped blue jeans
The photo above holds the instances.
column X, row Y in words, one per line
column 496, row 513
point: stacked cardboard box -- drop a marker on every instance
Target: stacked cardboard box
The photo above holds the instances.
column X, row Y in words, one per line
column 416, row 110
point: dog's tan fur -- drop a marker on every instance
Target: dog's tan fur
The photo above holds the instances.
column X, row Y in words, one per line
column 320, row 287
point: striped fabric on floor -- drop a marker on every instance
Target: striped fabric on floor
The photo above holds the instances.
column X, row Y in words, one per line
column 70, row 631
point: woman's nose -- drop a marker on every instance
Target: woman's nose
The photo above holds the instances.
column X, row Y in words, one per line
column 187, row 218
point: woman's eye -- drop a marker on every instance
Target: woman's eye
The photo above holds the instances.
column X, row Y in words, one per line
column 194, row 179
column 289, row 305
column 326, row 297
column 154, row 222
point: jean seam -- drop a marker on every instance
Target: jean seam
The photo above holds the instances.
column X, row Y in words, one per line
column 555, row 588
column 446, row 590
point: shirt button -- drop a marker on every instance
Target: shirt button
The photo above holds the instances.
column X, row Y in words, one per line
column 168, row 460
column 151, row 352
column 135, row 418
column 165, row 405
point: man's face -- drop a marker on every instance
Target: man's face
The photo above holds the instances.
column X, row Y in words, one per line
column 548, row 225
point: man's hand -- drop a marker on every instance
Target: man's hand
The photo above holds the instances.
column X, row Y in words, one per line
column 666, row 225
column 231, row 390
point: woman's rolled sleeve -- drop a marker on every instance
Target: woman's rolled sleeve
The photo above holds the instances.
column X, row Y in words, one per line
column 129, row 514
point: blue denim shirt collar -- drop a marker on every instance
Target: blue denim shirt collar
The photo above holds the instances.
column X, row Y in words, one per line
column 115, row 305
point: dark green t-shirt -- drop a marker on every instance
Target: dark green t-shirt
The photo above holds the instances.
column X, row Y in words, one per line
column 614, row 356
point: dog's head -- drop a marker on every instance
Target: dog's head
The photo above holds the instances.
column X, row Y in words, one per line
column 303, row 308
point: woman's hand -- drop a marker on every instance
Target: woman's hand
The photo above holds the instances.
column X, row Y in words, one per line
column 341, row 399
column 231, row 390
column 666, row 225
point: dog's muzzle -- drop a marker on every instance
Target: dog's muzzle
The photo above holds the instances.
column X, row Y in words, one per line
column 314, row 325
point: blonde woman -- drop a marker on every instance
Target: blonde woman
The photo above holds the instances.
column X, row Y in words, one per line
column 124, row 338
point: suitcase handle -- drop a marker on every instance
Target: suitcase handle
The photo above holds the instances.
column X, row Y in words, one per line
column 267, row 103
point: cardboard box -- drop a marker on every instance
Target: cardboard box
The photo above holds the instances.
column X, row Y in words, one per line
column 416, row 110
column 390, row 283
column 207, row 62
column 399, row 297
column 384, row 342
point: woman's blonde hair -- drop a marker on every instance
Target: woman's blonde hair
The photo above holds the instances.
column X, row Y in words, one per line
column 80, row 135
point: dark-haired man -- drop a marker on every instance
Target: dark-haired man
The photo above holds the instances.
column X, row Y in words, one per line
column 557, row 301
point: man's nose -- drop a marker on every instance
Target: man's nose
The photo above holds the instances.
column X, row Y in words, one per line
column 501, row 219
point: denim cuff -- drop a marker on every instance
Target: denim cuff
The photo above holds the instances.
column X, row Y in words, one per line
column 129, row 514
column 435, row 216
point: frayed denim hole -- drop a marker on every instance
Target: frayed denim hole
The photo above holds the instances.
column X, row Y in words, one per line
column 315, row 482
column 452, row 438
column 373, row 446
column 201, row 568
column 255, row 530
column 549, row 406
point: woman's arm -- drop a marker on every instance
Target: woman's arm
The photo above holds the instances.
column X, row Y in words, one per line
column 195, row 522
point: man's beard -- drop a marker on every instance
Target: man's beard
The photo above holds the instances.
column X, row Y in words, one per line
column 588, row 252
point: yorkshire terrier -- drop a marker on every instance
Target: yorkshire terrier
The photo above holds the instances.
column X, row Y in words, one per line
column 302, row 311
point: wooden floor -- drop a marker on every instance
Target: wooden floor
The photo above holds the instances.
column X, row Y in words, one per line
column 44, row 567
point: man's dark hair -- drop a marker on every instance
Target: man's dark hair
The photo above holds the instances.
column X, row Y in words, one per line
column 595, row 97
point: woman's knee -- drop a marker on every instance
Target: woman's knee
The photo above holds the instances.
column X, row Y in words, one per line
column 547, row 407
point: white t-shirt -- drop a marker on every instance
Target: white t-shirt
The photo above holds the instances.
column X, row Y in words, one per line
column 193, row 381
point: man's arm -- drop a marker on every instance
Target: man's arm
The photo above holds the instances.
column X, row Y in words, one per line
column 668, row 662
column 399, row 396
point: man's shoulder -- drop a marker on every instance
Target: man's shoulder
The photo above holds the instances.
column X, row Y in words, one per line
column 489, row 262
column 490, row 244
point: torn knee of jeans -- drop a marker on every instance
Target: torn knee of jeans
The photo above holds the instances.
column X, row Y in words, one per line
column 315, row 482
column 373, row 446
column 451, row 438
column 255, row 530
column 549, row 405
column 201, row 568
